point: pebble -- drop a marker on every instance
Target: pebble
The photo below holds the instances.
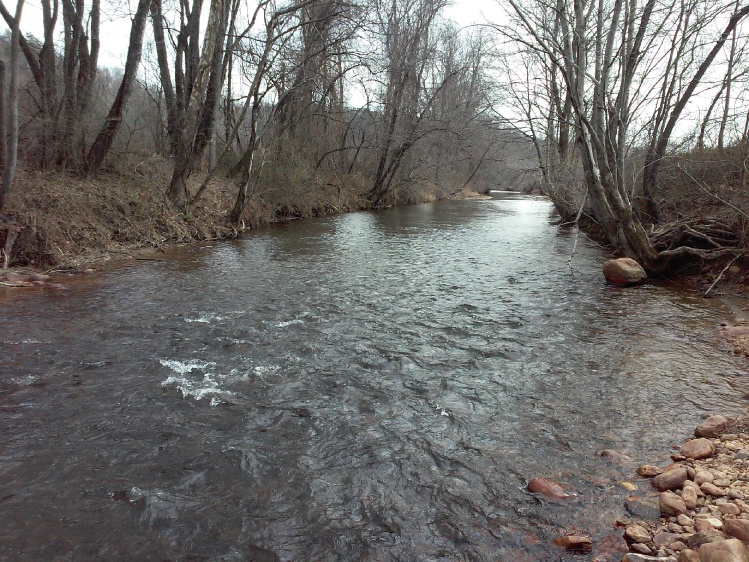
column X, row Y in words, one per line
column 701, row 501
column 712, row 489
column 684, row 520
column 729, row 509
column 703, row 476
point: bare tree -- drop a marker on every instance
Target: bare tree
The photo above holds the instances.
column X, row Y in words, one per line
column 105, row 138
column 10, row 152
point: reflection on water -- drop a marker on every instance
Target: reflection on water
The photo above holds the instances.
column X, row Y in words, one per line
column 372, row 386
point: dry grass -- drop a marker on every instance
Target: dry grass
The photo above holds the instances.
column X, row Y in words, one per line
column 68, row 221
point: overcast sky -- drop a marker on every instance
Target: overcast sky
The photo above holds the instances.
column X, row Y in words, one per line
column 115, row 31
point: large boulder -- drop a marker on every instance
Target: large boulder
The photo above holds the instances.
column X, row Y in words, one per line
column 624, row 271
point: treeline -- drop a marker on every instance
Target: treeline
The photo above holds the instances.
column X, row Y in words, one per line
column 379, row 99
column 636, row 111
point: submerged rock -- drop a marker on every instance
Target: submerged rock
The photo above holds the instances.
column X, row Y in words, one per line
column 616, row 456
column 548, row 488
column 624, row 271
column 649, row 471
column 643, row 507
column 575, row 543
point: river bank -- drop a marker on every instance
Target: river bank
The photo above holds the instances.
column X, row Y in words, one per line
column 62, row 223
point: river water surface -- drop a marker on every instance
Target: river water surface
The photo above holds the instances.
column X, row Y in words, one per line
column 371, row 386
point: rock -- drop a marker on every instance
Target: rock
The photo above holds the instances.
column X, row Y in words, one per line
column 648, row 471
column 703, row 476
column 712, row 427
column 731, row 550
column 737, row 528
column 671, row 504
column 689, row 497
column 671, row 480
column 685, row 520
column 628, row 486
column 713, row 490
column 11, row 277
column 88, row 271
column 677, row 546
column 611, row 546
column 707, row 523
column 634, row 557
column 664, row 539
column 697, row 490
column 616, row 456
column 644, row 508
column 742, row 455
column 624, row 271
column 698, row 539
column 688, row 556
column 729, row 509
column 641, row 548
column 698, row 449
column 548, row 488
column 38, row 277
column 637, row 533
column 576, row 543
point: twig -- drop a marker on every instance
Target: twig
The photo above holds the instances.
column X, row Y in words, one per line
column 577, row 233
column 721, row 274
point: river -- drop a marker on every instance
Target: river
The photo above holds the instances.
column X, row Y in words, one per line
column 368, row 386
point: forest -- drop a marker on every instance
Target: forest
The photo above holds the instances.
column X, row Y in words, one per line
column 632, row 116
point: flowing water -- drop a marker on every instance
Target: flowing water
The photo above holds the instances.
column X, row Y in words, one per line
column 371, row 386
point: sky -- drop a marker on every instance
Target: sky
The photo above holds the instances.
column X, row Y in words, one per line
column 115, row 31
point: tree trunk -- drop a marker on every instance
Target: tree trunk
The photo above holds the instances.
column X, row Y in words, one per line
column 9, row 170
column 3, row 120
column 106, row 135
